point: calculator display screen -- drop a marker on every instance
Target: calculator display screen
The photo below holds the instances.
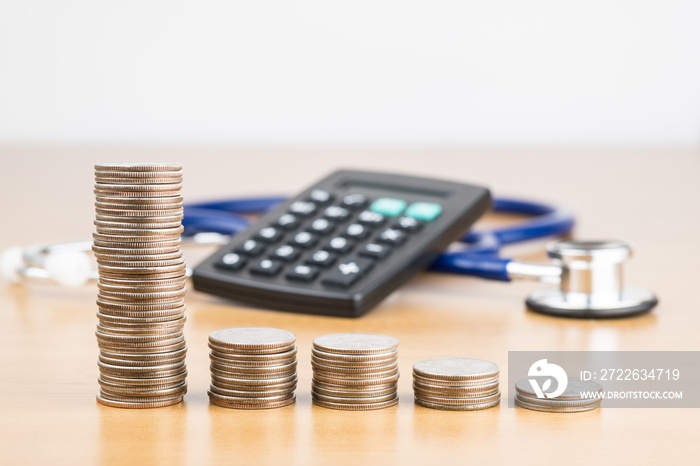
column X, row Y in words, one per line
column 382, row 189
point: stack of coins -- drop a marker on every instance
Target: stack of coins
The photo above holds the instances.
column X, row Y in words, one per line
column 252, row 368
column 456, row 384
column 570, row 401
column 141, row 286
column 355, row 371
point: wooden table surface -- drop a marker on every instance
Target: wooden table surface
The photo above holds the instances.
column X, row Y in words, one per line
column 48, row 351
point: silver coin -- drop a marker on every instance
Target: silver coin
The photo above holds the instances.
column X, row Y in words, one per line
column 108, row 226
column 555, row 402
column 142, row 331
column 120, row 234
column 368, row 370
column 356, row 343
column 259, row 376
column 138, row 405
column 346, row 381
column 557, row 409
column 343, row 400
column 355, row 358
column 130, row 391
column 251, row 394
column 223, row 381
column 127, row 385
column 136, row 189
column 355, row 406
column 359, row 389
column 289, row 386
column 138, row 166
column 350, row 375
column 145, row 356
column 455, row 369
column 115, row 179
column 123, row 350
column 254, row 368
column 242, row 364
column 253, row 357
column 251, row 338
column 322, row 390
column 140, row 206
column 455, row 383
column 574, row 388
column 456, row 391
column 222, row 402
column 127, row 362
column 462, row 401
column 448, row 407
column 338, row 362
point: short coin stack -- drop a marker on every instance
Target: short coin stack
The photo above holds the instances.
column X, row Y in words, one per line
column 570, row 401
column 456, row 384
column 141, row 286
column 355, row 371
column 252, row 367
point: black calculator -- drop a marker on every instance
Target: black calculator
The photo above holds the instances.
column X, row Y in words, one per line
column 342, row 245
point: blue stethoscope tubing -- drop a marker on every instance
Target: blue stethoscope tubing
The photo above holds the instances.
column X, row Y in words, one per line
column 479, row 257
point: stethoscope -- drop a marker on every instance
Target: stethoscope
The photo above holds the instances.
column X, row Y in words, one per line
column 588, row 273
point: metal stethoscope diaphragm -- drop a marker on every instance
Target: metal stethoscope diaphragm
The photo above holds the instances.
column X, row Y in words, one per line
column 590, row 278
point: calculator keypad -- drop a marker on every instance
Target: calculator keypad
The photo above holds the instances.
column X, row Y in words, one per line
column 335, row 243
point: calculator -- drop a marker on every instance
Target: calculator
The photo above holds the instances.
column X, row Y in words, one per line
column 342, row 245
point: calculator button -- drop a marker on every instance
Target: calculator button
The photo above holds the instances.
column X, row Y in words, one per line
column 336, row 213
column 270, row 234
column 392, row 236
column 286, row 253
column 304, row 239
column 375, row 251
column 321, row 226
column 388, row 206
column 408, row 224
column 340, row 245
column 347, row 272
column 231, row 261
column 355, row 201
column 304, row 273
column 319, row 196
column 288, row 222
column 302, row 208
column 370, row 218
column 425, row 211
column 356, row 231
column 266, row 267
column 251, row 248
column 321, row 258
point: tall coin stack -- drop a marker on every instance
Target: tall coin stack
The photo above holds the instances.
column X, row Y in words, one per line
column 355, row 371
column 252, row 368
column 141, row 286
column 570, row 401
column 456, row 384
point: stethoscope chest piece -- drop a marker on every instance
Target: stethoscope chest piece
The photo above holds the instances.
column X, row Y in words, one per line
column 591, row 284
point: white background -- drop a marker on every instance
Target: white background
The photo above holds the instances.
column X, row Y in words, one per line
column 494, row 72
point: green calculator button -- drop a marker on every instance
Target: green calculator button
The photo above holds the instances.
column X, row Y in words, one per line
column 425, row 211
column 388, row 206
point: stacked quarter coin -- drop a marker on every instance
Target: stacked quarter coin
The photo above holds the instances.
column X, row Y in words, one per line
column 252, row 367
column 570, row 401
column 141, row 286
column 456, row 384
column 355, row 371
